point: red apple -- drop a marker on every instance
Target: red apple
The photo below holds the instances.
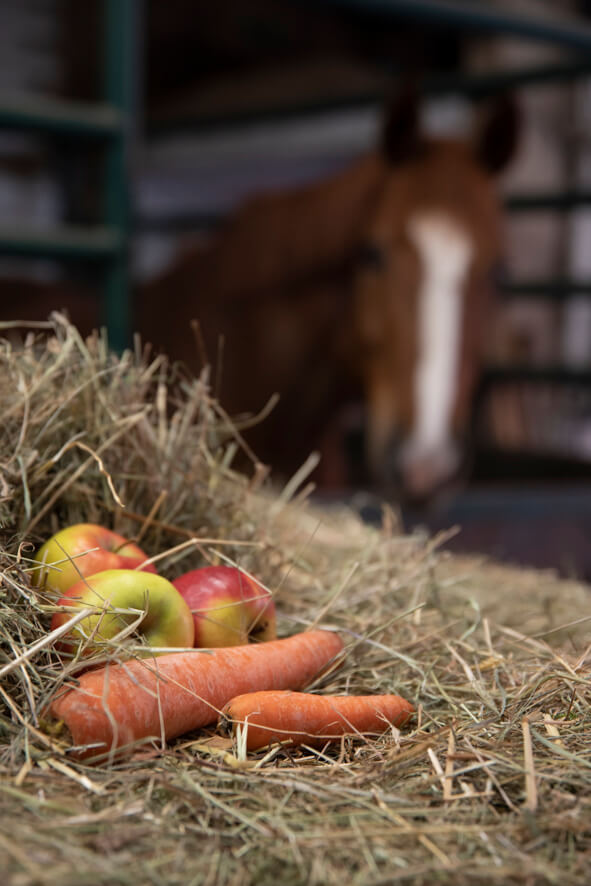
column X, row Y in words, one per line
column 229, row 608
column 167, row 620
column 84, row 549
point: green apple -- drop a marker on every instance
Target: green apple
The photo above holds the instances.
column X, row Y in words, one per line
column 84, row 549
column 229, row 608
column 167, row 620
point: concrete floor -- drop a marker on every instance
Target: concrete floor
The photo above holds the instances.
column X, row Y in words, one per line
column 528, row 525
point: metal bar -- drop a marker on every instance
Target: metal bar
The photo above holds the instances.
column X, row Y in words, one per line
column 59, row 117
column 477, row 16
column 119, row 19
column 480, row 85
column 179, row 223
column 557, row 290
column 555, row 201
column 68, row 242
column 560, row 375
column 206, row 221
column 207, row 123
column 473, row 85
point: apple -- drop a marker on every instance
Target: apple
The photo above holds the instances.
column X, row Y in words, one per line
column 229, row 608
column 167, row 619
column 84, row 549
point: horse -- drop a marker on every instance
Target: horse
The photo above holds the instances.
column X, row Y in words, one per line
column 371, row 286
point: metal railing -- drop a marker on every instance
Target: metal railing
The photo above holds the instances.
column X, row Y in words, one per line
column 105, row 122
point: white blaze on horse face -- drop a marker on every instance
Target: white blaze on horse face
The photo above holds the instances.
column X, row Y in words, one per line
column 445, row 251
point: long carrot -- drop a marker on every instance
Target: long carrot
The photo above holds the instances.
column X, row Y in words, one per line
column 303, row 718
column 177, row 692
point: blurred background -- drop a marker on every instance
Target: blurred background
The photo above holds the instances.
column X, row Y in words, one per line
column 129, row 129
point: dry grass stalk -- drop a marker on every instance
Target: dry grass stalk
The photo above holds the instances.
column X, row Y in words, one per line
column 491, row 784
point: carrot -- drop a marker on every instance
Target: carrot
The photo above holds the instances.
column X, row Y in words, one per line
column 303, row 718
column 177, row 692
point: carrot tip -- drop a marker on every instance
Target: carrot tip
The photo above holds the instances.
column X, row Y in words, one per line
column 259, row 719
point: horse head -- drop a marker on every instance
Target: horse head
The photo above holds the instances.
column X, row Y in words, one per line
column 420, row 294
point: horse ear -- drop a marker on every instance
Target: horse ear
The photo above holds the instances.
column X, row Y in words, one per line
column 401, row 137
column 499, row 134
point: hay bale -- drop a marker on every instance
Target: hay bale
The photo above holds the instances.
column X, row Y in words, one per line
column 491, row 783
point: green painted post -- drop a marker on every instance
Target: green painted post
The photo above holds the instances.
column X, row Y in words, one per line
column 119, row 21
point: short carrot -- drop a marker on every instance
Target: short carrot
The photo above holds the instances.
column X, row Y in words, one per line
column 167, row 696
column 303, row 718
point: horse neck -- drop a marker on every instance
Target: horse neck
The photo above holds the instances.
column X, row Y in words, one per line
column 278, row 247
column 277, row 239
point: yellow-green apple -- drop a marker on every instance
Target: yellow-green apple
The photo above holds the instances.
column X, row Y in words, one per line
column 167, row 619
column 229, row 608
column 84, row 549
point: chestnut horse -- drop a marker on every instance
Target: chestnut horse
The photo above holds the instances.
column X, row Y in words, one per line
column 372, row 284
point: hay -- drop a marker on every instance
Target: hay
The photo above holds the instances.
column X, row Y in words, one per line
column 492, row 782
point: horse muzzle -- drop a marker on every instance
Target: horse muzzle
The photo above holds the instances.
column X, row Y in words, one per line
column 415, row 473
column 426, row 469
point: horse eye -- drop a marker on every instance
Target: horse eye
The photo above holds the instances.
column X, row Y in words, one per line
column 371, row 257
